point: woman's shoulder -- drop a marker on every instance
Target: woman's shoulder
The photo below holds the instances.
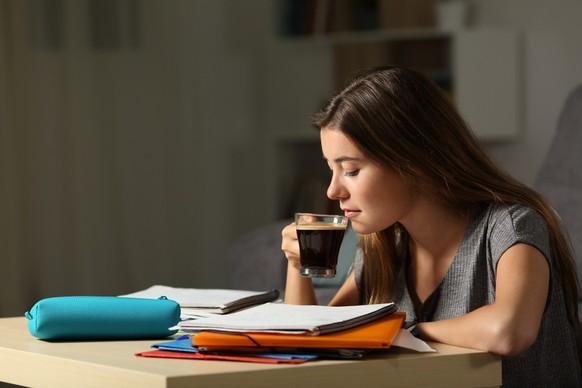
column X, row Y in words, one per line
column 507, row 224
column 516, row 215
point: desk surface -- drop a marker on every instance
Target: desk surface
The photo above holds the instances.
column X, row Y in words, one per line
column 25, row 360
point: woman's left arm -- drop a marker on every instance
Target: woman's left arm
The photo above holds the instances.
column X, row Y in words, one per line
column 510, row 325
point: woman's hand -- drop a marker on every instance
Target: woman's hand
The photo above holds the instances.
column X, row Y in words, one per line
column 290, row 245
column 298, row 289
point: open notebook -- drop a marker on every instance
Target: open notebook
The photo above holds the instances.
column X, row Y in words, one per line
column 198, row 301
column 292, row 319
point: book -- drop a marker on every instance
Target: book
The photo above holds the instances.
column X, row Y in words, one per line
column 197, row 301
column 291, row 319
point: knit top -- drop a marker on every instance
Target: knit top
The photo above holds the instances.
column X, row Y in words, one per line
column 470, row 283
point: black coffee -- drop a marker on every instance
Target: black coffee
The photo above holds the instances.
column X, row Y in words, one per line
column 319, row 244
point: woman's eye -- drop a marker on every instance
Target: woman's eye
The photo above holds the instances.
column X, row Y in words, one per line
column 351, row 173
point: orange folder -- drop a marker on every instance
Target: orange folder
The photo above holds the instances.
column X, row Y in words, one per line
column 378, row 334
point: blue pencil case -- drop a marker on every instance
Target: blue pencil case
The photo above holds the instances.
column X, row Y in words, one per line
column 102, row 318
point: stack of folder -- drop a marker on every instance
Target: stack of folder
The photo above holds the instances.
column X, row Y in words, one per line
column 362, row 329
column 378, row 334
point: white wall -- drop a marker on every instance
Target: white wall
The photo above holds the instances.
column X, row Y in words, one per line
column 296, row 78
column 552, row 67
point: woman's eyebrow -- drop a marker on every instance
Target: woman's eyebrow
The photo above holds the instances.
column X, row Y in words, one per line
column 341, row 159
column 346, row 159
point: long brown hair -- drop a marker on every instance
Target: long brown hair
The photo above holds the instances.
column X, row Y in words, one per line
column 400, row 119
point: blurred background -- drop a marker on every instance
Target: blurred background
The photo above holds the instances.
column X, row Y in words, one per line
column 140, row 138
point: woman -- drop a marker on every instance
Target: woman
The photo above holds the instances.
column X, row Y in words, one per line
column 474, row 258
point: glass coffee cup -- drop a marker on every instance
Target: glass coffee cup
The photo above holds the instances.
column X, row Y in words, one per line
column 320, row 238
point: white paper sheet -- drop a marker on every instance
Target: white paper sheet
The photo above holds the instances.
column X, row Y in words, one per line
column 406, row 340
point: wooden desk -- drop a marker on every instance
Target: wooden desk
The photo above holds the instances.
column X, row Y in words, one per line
column 25, row 360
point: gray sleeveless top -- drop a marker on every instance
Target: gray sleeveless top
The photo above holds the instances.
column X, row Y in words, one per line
column 470, row 283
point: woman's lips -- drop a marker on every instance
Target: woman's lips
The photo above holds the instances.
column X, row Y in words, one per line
column 350, row 213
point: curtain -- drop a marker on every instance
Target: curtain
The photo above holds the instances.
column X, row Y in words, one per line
column 114, row 146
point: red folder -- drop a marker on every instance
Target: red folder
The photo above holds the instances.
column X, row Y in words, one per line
column 223, row 357
column 378, row 334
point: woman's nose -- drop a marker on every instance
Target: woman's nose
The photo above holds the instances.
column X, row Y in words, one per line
column 335, row 190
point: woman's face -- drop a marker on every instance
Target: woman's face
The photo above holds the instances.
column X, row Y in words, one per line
column 372, row 197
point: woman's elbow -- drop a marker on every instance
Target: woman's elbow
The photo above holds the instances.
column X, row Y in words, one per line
column 509, row 342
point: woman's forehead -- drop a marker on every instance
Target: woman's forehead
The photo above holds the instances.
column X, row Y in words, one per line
column 337, row 147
